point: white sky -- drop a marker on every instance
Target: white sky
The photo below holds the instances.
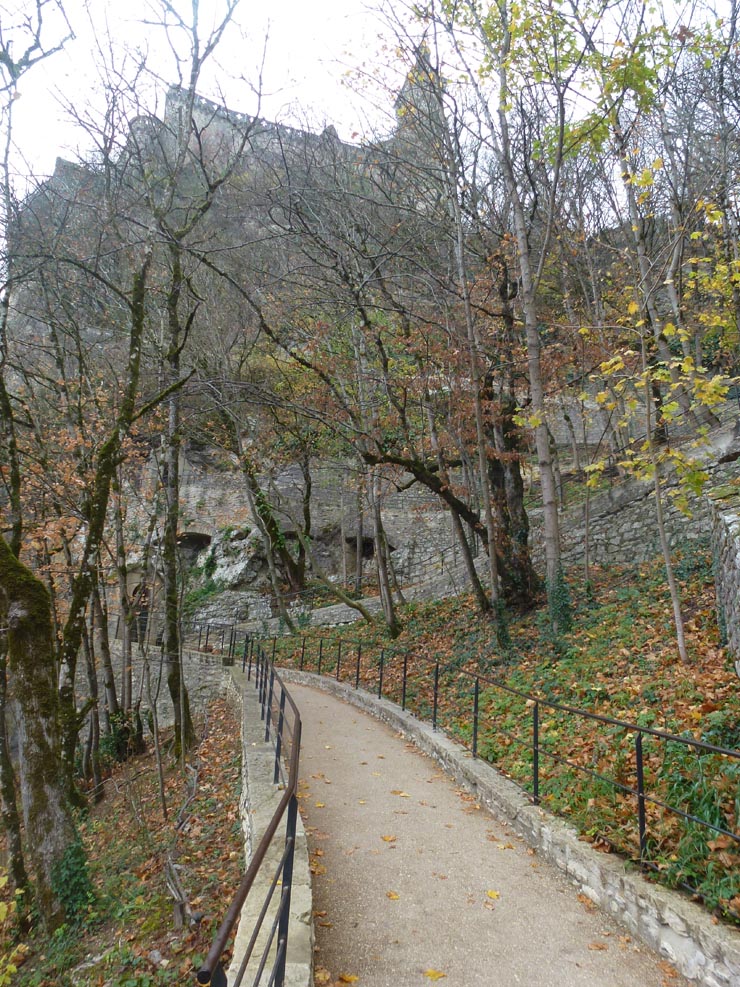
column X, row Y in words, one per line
column 311, row 45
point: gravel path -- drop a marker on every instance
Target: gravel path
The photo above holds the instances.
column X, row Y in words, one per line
column 415, row 883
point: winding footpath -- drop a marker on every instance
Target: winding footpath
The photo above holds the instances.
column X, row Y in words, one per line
column 414, row 883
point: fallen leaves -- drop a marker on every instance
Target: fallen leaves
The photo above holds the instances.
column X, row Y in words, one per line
column 388, row 839
column 670, row 973
column 493, row 895
column 392, row 895
column 587, row 903
column 403, row 795
column 434, row 974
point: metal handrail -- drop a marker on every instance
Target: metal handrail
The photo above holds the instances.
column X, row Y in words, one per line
column 271, row 690
column 536, row 742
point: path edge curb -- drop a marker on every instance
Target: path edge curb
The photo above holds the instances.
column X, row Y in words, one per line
column 676, row 928
column 259, row 800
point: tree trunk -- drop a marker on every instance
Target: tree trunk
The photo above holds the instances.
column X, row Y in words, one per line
column 47, row 816
column 111, row 707
column 360, row 536
column 184, row 730
column 93, row 750
column 381, row 559
column 8, row 803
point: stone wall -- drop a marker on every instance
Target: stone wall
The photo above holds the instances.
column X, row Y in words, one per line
column 205, row 677
column 622, row 525
column 725, row 515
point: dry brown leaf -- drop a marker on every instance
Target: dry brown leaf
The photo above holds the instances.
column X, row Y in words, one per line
column 668, row 970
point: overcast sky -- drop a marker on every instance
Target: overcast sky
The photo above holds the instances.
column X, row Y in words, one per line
column 311, row 47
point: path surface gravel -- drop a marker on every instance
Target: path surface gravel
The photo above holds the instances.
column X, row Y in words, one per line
column 415, row 883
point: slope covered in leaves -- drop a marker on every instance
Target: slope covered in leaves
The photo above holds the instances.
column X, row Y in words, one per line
column 126, row 936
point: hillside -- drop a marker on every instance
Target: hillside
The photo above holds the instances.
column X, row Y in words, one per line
column 619, row 660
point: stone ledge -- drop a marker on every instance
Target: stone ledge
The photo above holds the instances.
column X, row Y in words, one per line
column 667, row 922
column 260, row 798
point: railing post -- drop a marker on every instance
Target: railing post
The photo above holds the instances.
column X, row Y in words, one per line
column 263, row 680
column 321, row 654
column 208, row 631
column 436, row 695
column 274, row 646
column 268, row 712
column 200, row 635
column 380, row 677
column 536, row 753
column 357, row 667
column 287, row 887
column 223, row 637
column 244, row 651
column 405, row 678
column 476, row 711
column 260, row 677
column 641, row 821
column 279, row 737
column 339, row 657
column 303, row 654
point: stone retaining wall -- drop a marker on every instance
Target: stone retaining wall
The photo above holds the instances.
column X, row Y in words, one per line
column 205, row 677
column 622, row 527
column 725, row 513
column 259, row 800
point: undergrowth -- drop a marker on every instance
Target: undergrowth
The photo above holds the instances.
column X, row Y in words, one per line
column 122, row 932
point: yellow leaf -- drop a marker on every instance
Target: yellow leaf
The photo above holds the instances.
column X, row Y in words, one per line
column 493, row 894
column 321, row 977
column 633, row 308
column 403, row 795
column 392, row 895
column 434, row 974
column 348, row 978
column 320, row 805
column 388, row 839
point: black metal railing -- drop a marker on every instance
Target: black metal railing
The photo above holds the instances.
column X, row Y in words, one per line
column 266, row 956
column 659, row 786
